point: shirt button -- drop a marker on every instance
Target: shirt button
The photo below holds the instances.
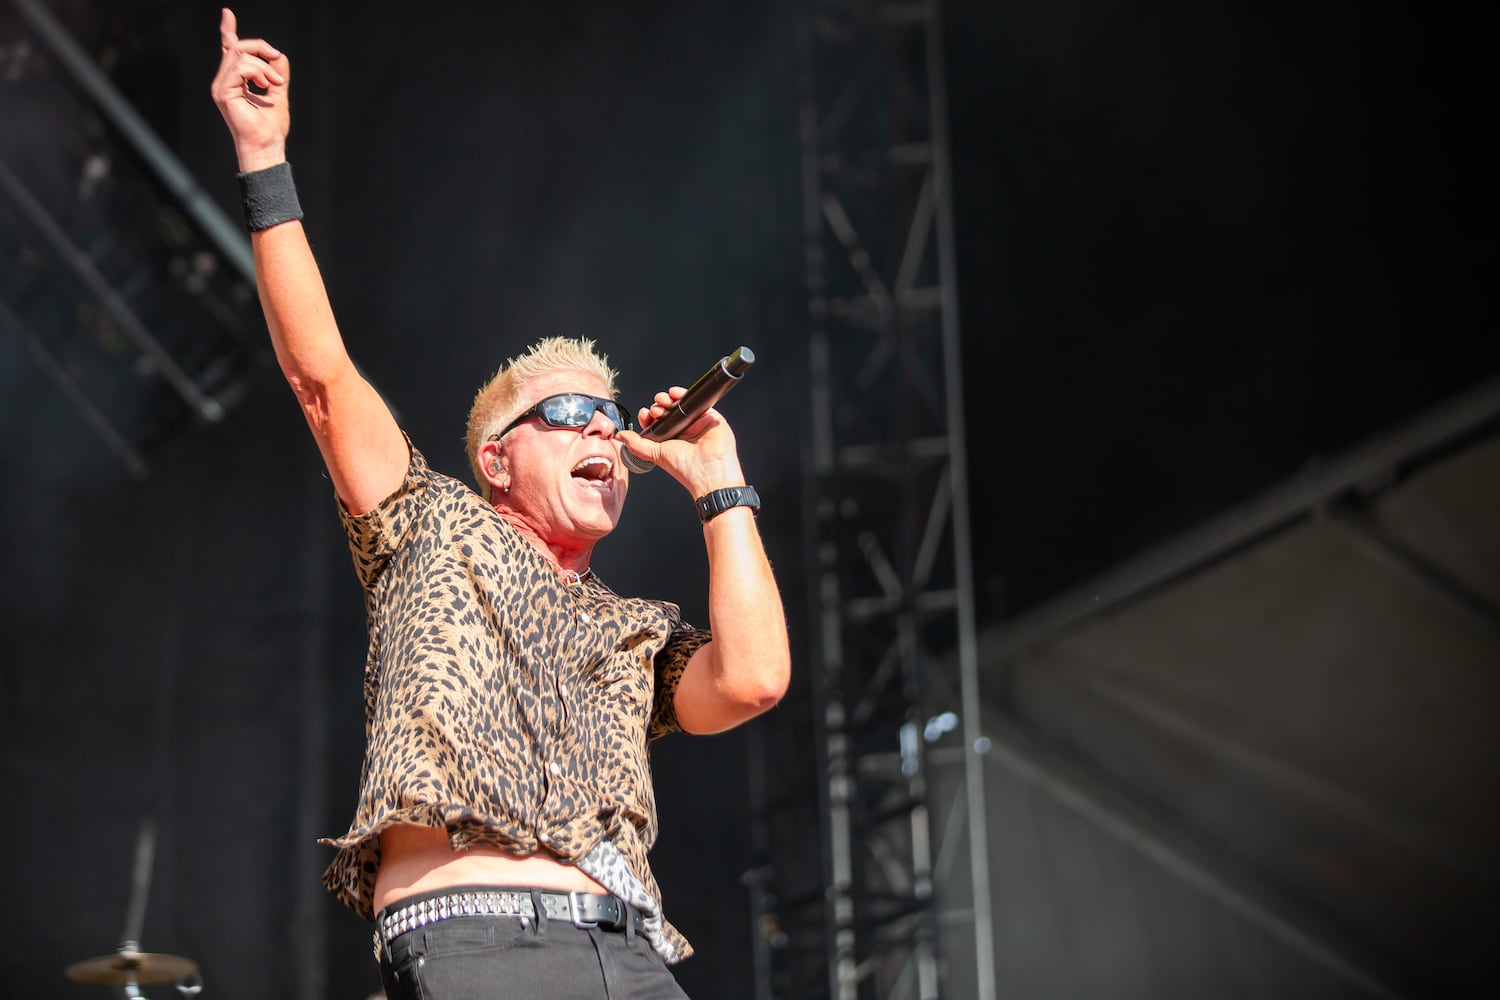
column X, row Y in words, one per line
column 585, row 616
column 562, row 689
column 554, row 768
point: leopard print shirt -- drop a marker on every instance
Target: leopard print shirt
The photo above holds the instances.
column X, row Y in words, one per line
column 501, row 703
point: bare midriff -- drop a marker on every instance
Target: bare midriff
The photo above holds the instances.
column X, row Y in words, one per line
column 417, row 859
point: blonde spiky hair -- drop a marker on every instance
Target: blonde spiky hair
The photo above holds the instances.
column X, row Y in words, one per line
column 498, row 400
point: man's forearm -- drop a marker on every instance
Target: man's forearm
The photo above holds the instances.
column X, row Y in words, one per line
column 298, row 314
column 752, row 658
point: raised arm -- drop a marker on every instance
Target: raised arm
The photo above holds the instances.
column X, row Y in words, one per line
column 745, row 669
column 361, row 445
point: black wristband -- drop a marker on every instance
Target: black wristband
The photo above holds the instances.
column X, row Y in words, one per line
column 269, row 197
column 711, row 505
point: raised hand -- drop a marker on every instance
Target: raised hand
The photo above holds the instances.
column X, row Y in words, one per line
column 251, row 91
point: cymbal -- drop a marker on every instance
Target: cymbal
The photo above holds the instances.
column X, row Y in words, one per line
column 130, row 967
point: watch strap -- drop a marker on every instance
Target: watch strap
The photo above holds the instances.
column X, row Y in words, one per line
column 711, row 505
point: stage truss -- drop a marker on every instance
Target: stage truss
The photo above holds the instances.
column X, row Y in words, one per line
column 128, row 292
column 873, row 876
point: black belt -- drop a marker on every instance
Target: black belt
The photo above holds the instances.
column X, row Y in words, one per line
column 581, row 909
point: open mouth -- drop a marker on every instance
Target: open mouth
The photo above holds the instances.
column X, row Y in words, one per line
column 597, row 472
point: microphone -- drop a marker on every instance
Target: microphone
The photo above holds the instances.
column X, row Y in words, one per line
column 708, row 390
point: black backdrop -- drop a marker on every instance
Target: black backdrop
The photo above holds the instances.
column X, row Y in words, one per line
column 1199, row 246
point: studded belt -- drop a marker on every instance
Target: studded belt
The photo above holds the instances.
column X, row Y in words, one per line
column 581, row 909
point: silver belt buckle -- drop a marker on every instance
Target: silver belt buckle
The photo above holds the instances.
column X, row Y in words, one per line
column 575, row 910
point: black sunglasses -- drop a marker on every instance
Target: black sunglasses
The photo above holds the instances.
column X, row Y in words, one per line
column 571, row 409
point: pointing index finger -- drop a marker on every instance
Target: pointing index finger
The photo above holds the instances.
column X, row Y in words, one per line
column 228, row 28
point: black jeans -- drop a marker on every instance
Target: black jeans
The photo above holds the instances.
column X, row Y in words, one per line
column 500, row 958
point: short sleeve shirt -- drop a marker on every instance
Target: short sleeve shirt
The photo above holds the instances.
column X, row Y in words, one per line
column 502, row 702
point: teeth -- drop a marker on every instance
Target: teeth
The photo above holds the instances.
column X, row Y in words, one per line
column 595, row 468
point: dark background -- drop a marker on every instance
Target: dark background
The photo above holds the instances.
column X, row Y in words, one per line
column 1200, row 246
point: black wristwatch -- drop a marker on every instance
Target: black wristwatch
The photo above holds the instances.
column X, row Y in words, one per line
column 711, row 505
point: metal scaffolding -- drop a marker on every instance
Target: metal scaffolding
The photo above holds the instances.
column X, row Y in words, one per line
column 131, row 291
column 895, row 900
